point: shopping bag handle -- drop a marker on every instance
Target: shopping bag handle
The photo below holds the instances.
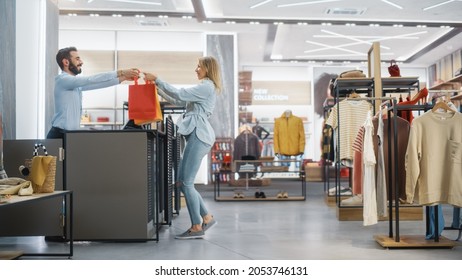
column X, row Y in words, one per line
column 146, row 81
column 37, row 146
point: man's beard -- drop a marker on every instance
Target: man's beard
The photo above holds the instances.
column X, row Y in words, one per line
column 74, row 69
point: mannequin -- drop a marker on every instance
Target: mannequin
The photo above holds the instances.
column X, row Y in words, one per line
column 289, row 135
column 259, row 130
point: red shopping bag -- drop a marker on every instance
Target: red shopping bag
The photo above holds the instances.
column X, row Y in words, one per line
column 143, row 103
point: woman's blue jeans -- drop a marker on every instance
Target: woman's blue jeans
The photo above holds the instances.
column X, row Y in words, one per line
column 194, row 152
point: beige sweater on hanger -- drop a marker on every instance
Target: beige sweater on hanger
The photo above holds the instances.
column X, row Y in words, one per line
column 434, row 159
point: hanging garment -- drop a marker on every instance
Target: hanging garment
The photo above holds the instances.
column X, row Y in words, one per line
column 369, row 161
column 351, row 114
column 289, row 135
column 381, row 175
column 357, row 174
column 246, row 144
column 246, row 147
column 434, row 159
column 402, row 127
column 327, row 143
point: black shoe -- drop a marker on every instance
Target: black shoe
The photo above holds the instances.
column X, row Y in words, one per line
column 257, row 195
column 262, row 195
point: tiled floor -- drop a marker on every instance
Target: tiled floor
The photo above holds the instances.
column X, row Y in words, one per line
column 271, row 230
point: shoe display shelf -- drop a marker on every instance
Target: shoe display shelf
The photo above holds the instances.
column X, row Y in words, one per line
column 236, row 192
column 221, row 158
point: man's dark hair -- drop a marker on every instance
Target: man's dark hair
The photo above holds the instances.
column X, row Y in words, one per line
column 64, row 53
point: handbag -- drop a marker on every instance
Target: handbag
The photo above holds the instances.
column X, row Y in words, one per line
column 42, row 170
column 143, row 103
column 393, row 69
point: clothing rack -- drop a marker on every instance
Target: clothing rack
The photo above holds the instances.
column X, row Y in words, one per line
column 394, row 108
column 337, row 152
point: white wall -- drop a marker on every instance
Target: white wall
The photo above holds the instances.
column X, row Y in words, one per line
column 30, row 69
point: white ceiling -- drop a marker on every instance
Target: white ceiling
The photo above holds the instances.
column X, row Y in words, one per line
column 293, row 30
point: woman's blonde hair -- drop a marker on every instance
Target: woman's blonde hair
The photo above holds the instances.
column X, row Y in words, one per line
column 212, row 70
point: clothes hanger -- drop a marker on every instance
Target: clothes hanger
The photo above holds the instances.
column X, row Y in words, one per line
column 442, row 105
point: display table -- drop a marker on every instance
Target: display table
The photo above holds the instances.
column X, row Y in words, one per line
column 27, row 201
column 262, row 168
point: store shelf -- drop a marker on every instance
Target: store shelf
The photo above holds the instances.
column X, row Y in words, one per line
column 451, row 84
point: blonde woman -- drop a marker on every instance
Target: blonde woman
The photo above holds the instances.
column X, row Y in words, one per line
column 199, row 102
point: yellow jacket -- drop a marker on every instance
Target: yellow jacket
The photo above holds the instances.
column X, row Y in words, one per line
column 289, row 135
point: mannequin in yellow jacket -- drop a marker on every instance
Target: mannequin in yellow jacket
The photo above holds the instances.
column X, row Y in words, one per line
column 289, row 135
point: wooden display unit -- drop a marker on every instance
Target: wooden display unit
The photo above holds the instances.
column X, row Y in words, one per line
column 415, row 241
column 355, row 213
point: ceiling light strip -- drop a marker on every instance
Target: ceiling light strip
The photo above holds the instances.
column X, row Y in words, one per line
column 392, row 4
column 437, row 5
column 306, row 3
column 332, row 47
column 137, row 2
column 260, row 4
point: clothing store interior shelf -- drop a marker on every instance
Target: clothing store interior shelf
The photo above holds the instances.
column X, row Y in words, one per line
column 415, row 241
column 28, row 201
column 360, row 85
column 398, row 84
column 268, row 163
column 450, row 84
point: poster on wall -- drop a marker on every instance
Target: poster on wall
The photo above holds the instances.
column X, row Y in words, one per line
column 281, row 93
